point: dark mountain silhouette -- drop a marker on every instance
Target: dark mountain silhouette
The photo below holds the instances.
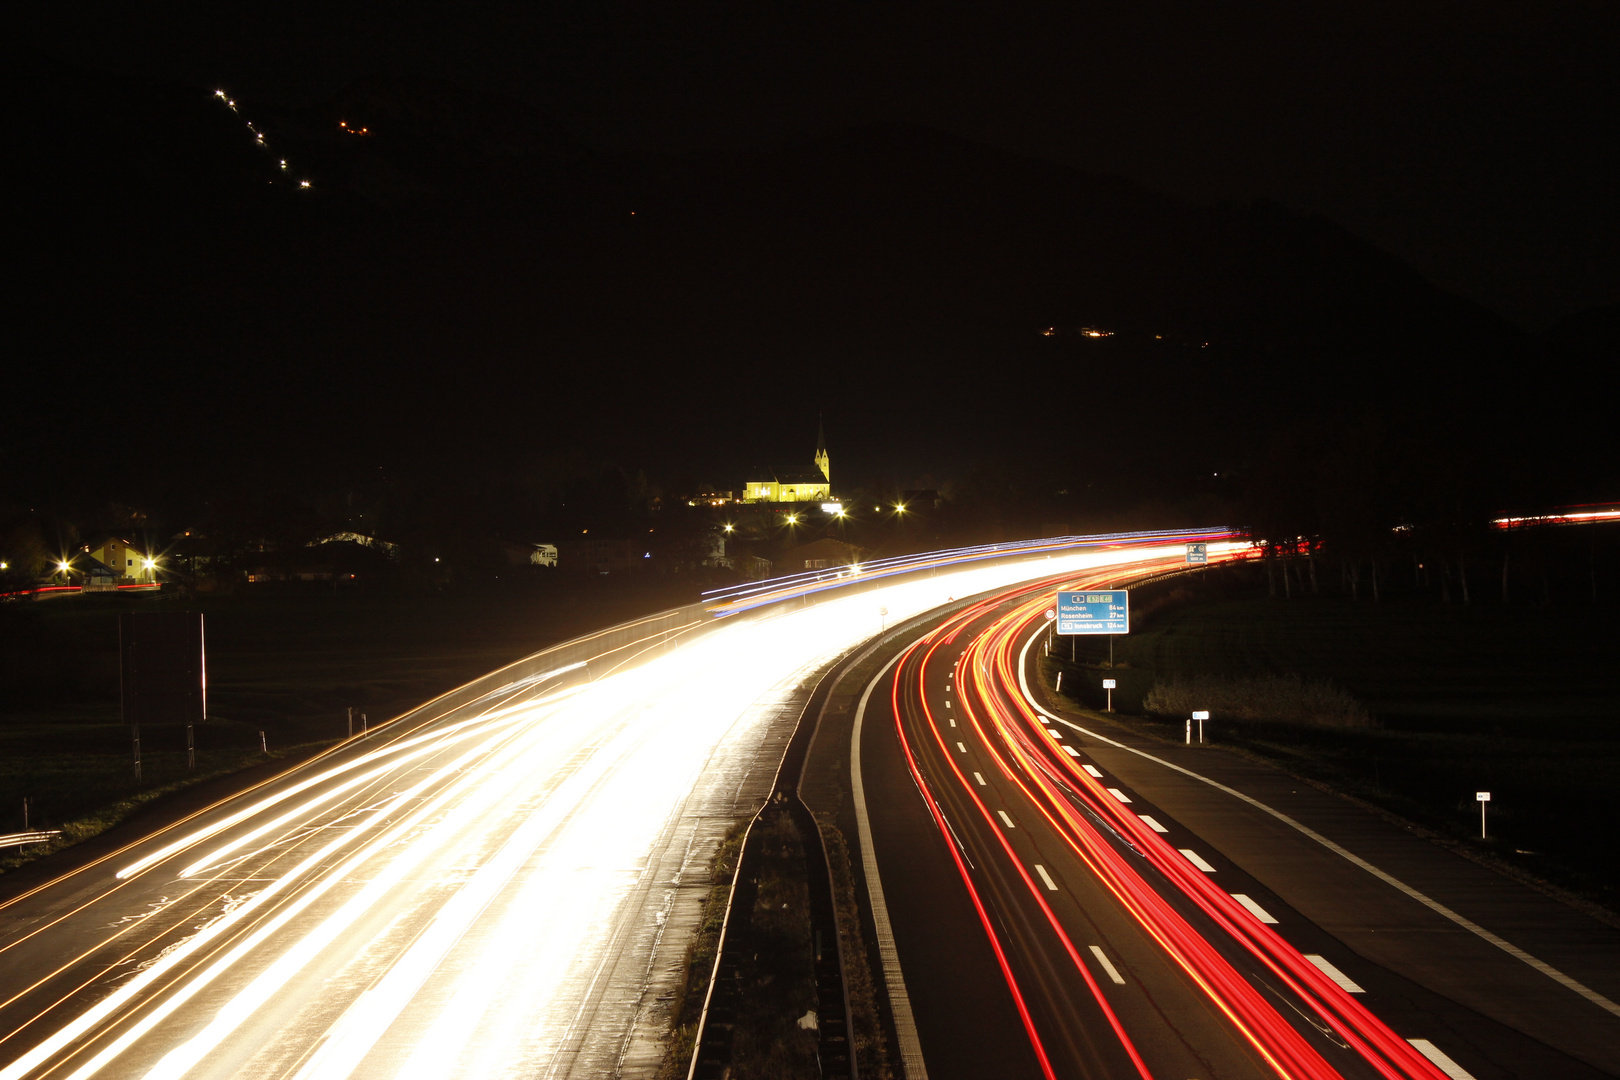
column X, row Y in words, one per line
column 467, row 285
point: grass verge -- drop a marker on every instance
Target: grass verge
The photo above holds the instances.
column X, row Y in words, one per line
column 1515, row 700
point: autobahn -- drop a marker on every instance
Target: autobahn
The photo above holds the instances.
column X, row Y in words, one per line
column 1049, row 920
column 483, row 891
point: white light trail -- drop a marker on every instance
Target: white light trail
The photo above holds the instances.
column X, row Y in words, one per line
column 557, row 805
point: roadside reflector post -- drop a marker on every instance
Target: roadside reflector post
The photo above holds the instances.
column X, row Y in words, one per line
column 1200, row 715
column 1189, row 732
column 351, row 721
column 191, row 748
column 1059, row 687
column 263, row 747
column 1108, row 685
column 1482, row 797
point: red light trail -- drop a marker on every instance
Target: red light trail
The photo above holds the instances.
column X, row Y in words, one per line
column 1079, row 810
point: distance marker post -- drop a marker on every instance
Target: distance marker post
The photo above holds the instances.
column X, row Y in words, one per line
column 1200, row 715
column 1108, row 685
column 1482, row 797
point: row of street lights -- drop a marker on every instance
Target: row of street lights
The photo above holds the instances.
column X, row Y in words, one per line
column 64, row 567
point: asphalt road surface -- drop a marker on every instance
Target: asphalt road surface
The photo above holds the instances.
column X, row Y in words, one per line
column 1072, row 902
column 503, row 888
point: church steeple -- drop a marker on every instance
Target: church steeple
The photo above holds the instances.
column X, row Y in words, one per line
column 823, row 462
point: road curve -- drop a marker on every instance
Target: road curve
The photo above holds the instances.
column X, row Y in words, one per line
column 1049, row 921
column 482, row 894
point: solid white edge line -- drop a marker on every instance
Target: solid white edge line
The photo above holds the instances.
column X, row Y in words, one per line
column 1197, row 860
column 1255, row 909
column 1051, row 886
column 905, row 1022
column 1152, row 823
column 1113, row 973
column 1441, row 1061
column 1346, row 983
column 1006, row 820
column 1389, row 879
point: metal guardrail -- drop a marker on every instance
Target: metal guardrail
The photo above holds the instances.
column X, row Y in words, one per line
column 38, row 836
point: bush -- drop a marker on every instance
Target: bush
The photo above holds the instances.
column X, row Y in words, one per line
column 1266, row 698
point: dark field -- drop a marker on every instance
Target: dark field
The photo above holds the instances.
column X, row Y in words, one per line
column 1517, row 700
column 288, row 664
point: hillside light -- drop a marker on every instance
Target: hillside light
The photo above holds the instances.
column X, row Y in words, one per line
column 730, row 527
column 793, row 519
column 899, row 508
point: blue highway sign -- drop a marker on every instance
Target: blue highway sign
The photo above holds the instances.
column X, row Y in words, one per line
column 1197, row 553
column 1097, row 611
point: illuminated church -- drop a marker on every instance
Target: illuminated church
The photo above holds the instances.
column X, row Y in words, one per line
column 774, row 486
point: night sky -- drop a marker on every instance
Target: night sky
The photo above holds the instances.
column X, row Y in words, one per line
column 675, row 239
column 1474, row 141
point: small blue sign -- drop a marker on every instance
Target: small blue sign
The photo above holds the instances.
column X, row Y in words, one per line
column 1097, row 611
column 1197, row 554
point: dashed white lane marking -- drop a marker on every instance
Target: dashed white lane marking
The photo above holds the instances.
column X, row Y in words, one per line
column 1150, row 823
column 1118, row 794
column 1197, row 860
column 1071, row 751
column 1054, row 732
column 962, row 748
column 1114, row 974
column 947, row 703
column 953, row 721
column 1429, row 902
column 1093, row 770
column 1441, row 1061
column 1051, row 886
column 1006, row 820
column 1346, row 983
column 1254, row 909
column 979, row 778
